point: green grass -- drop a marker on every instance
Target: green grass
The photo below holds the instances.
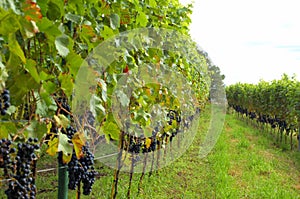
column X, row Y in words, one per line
column 244, row 164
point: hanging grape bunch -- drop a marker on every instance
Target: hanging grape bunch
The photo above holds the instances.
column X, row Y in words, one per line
column 5, row 102
column 19, row 167
column 81, row 171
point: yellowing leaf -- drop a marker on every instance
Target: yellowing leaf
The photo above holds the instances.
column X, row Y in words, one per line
column 53, row 147
column 61, row 121
column 148, row 142
column 67, row 158
column 78, row 141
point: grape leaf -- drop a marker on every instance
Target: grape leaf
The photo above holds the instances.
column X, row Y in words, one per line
column 114, row 21
column 74, row 62
column 107, row 32
column 65, row 147
column 36, row 129
column 15, row 47
column 148, row 142
column 152, row 3
column 52, row 146
column 66, row 158
column 66, row 83
column 62, row 121
column 142, row 19
column 62, row 45
column 31, row 68
column 50, row 30
column 9, row 23
column 122, row 97
column 78, row 141
column 74, row 18
column 54, row 10
column 112, row 129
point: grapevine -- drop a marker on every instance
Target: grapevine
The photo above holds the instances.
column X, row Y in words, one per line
column 271, row 104
column 42, row 46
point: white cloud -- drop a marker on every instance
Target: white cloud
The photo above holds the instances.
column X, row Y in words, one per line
column 251, row 39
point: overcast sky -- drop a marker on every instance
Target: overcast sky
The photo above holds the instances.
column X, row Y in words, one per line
column 251, row 39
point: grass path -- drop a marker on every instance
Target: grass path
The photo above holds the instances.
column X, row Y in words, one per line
column 243, row 164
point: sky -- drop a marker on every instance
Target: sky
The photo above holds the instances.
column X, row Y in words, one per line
column 249, row 40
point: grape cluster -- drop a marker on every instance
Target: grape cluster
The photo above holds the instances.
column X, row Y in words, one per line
column 19, row 165
column 5, row 154
column 138, row 144
column 273, row 121
column 90, row 119
column 64, row 107
column 173, row 115
column 82, row 170
column 134, row 147
column 152, row 146
column 69, row 131
column 4, row 102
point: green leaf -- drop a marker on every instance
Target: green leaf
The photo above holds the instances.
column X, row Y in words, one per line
column 49, row 28
column 7, row 128
column 41, row 106
column 9, row 22
column 152, row 3
column 114, row 21
column 107, row 32
column 122, row 98
column 45, row 76
column 74, row 61
column 49, row 87
column 95, row 103
column 64, row 145
column 62, row 45
column 15, row 48
column 54, row 10
column 74, row 18
column 103, row 86
column 50, row 102
column 37, row 129
column 112, row 129
column 66, row 83
column 20, row 84
column 43, row 6
column 142, row 19
column 31, row 68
